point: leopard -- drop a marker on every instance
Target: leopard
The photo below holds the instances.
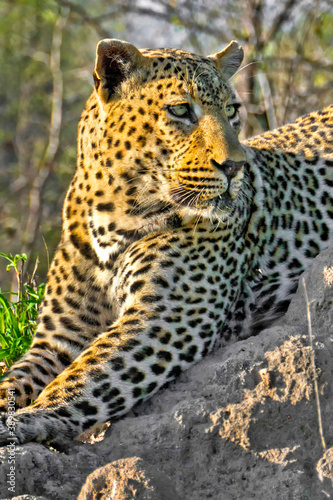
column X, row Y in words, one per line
column 176, row 237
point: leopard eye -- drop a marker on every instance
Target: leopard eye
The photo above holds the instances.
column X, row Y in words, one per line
column 231, row 110
column 180, row 110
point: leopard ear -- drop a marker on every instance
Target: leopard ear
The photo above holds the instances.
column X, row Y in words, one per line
column 229, row 59
column 115, row 61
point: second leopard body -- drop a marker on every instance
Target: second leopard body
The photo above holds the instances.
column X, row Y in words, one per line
column 175, row 236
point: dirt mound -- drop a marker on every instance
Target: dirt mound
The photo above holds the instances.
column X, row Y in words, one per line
column 243, row 423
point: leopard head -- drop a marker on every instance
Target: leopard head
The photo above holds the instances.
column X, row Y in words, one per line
column 158, row 140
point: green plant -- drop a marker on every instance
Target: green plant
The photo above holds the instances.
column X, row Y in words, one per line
column 19, row 312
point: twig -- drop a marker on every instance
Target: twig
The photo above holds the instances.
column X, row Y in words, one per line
column 314, row 367
column 80, row 11
column 268, row 100
column 280, row 20
column 46, row 249
column 32, row 278
column 19, row 277
column 46, row 162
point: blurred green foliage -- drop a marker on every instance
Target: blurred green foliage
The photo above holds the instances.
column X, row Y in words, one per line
column 18, row 314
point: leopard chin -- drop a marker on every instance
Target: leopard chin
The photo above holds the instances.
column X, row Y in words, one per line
column 219, row 210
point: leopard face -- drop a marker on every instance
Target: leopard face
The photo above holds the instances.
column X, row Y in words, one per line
column 158, row 149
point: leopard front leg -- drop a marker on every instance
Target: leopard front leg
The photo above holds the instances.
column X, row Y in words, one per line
column 126, row 364
column 73, row 315
column 170, row 318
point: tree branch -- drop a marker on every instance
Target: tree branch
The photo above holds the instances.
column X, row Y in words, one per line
column 165, row 16
column 80, row 11
column 281, row 19
column 46, row 162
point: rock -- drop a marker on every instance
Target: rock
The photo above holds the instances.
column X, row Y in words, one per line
column 324, row 466
column 44, row 472
column 319, row 286
column 242, row 423
column 28, row 497
column 126, row 479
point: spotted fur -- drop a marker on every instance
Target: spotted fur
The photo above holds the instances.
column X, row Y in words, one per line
column 175, row 236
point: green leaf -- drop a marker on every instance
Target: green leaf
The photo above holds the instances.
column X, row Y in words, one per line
column 8, row 257
column 18, row 320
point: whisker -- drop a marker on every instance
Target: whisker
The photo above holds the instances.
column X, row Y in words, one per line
column 244, row 67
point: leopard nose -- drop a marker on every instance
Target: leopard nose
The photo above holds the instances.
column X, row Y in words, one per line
column 229, row 168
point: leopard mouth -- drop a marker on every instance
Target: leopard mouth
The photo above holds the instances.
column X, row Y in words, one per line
column 221, row 207
column 221, row 203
